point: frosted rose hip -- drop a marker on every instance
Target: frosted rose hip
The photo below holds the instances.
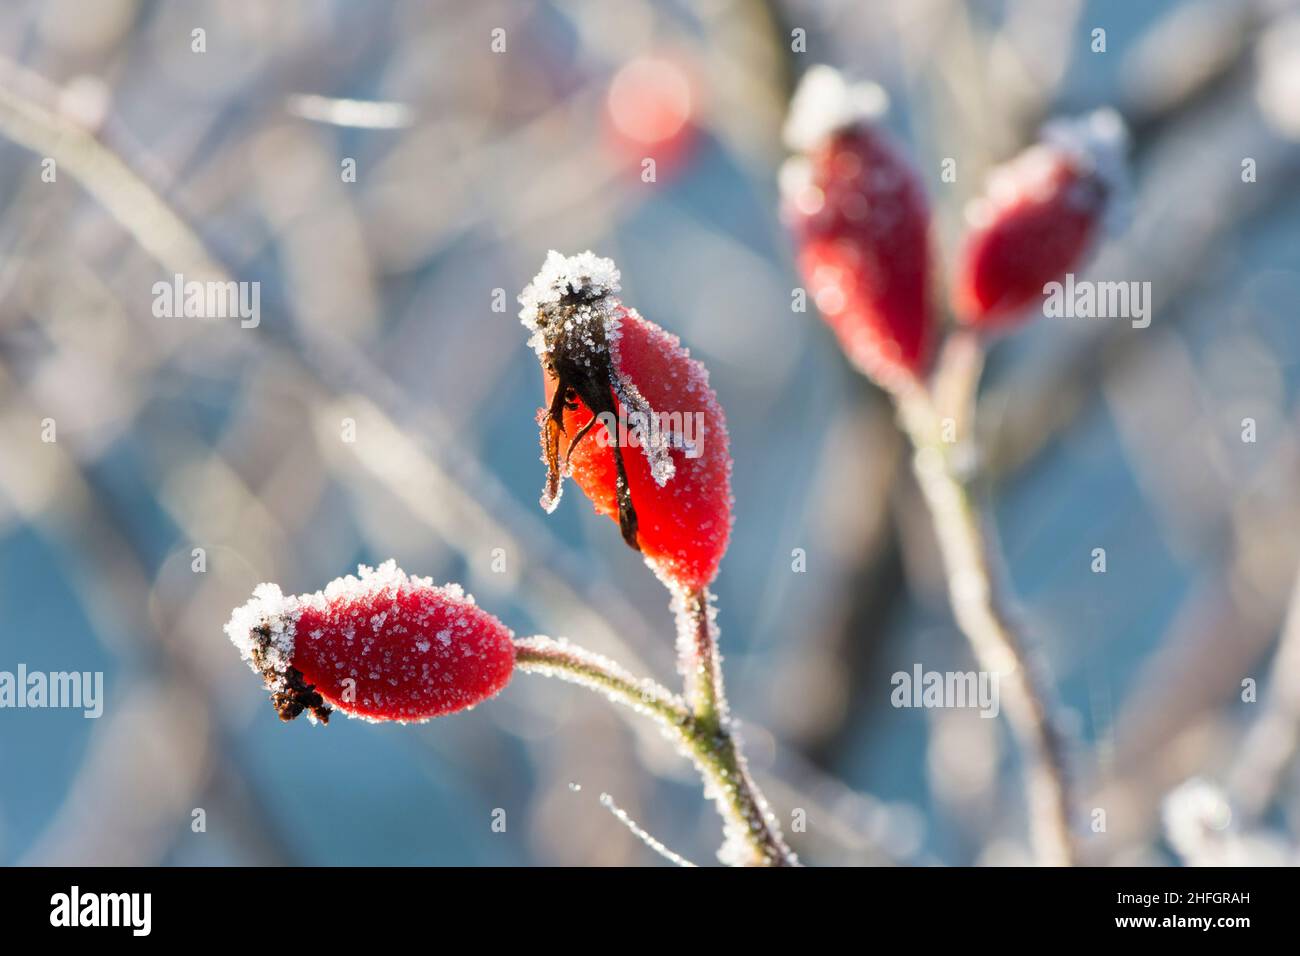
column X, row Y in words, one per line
column 382, row 646
column 608, row 374
column 861, row 223
column 1039, row 219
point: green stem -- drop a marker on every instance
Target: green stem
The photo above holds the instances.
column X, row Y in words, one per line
column 552, row 658
column 753, row 837
column 981, row 615
column 697, row 654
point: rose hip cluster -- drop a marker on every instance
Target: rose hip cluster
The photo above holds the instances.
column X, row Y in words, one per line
column 630, row 416
column 385, row 646
column 861, row 223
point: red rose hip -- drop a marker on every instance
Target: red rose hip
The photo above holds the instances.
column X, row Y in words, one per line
column 630, row 416
column 382, row 646
column 861, row 224
column 1039, row 218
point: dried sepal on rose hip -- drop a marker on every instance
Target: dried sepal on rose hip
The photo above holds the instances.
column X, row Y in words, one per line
column 1039, row 218
column 861, row 224
column 630, row 416
column 381, row 646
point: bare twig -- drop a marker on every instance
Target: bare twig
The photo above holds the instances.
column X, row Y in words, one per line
column 1271, row 744
column 981, row 614
column 638, row 831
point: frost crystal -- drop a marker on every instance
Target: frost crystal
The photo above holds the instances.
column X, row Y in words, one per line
column 1097, row 143
column 387, row 578
column 265, row 625
column 1197, row 817
column 640, row 833
column 825, row 102
column 655, row 441
column 1092, row 146
column 585, row 274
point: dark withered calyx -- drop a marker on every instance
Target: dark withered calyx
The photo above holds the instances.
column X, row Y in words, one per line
column 290, row 692
column 577, row 357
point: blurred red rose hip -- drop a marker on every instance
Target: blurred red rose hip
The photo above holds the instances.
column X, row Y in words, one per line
column 861, row 224
column 631, row 418
column 1040, row 218
column 383, row 646
column 649, row 110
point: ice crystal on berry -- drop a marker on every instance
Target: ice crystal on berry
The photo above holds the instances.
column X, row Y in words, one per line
column 826, row 102
column 585, row 276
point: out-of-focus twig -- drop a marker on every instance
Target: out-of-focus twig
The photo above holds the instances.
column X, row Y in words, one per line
column 979, row 608
column 1271, row 743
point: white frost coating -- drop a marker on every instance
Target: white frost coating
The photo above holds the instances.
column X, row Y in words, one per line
column 1277, row 83
column 278, row 613
column 654, row 441
column 1098, row 142
column 549, row 501
column 720, row 784
column 1197, row 818
column 688, row 640
column 825, row 102
column 794, row 177
column 640, row 833
column 387, row 577
column 1199, row 823
column 1095, row 145
column 592, row 670
column 559, row 276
